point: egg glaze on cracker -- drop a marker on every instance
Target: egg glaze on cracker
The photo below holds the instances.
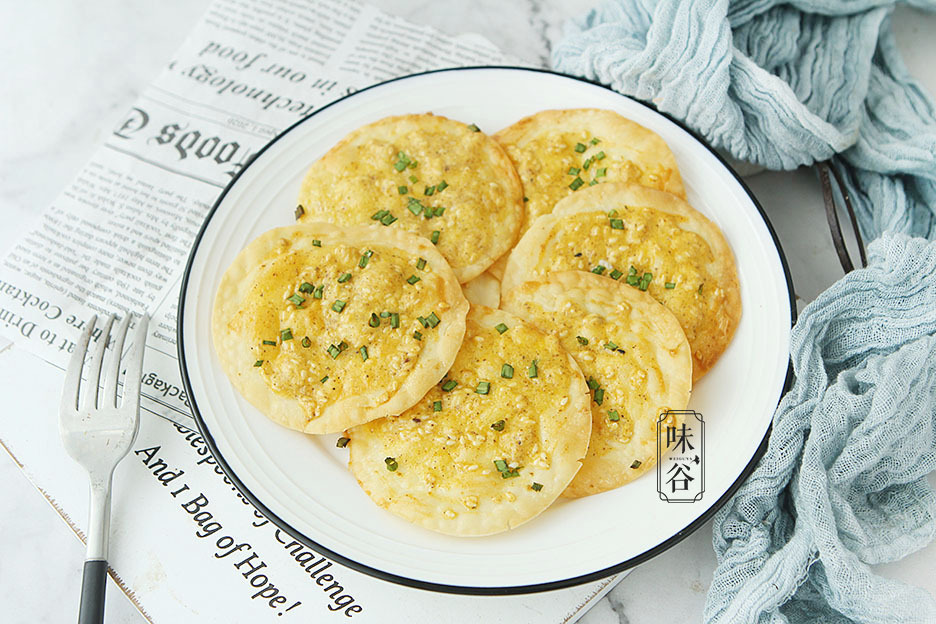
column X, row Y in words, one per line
column 560, row 152
column 323, row 327
column 491, row 446
column 651, row 240
column 426, row 174
column 634, row 356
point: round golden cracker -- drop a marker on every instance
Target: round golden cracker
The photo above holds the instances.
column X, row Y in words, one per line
column 367, row 177
column 690, row 265
column 633, row 353
column 560, row 152
column 303, row 288
column 483, row 290
column 447, row 473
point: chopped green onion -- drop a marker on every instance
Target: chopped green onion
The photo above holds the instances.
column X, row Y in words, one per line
column 615, row 274
column 437, row 406
column 669, row 285
column 429, row 191
column 610, row 346
column 588, row 163
column 442, row 186
column 600, row 156
column 402, row 189
column 595, row 141
column 413, row 164
column 500, row 464
column 334, row 351
column 509, row 474
column 632, row 280
column 286, row 334
column 599, row 396
column 391, row 464
column 599, row 270
column 421, row 264
column 700, row 287
column 617, row 224
column 413, row 179
column 532, row 371
column 258, row 363
column 507, row 371
column 432, row 319
column 582, row 340
column 417, row 335
column 612, row 213
column 412, row 279
column 344, row 278
column 342, row 442
column 526, row 199
column 363, row 352
column 576, row 184
column 435, row 237
column 270, row 342
column 306, row 342
column 501, row 328
column 536, row 487
column 636, row 464
column 380, row 214
column 474, row 128
column 384, row 314
column 306, row 287
column 449, row 385
column 387, row 219
column 415, row 206
column 439, row 211
column 399, row 165
column 602, row 172
column 365, row 258
column 318, row 291
column 580, row 147
column 374, row 320
column 394, row 320
column 632, row 271
column 593, row 183
column 422, row 319
column 613, row 416
column 323, row 379
column 573, row 171
column 339, row 305
column 499, row 425
column 592, row 384
column 483, row 387
column 342, row 345
column 299, row 211
column 316, row 242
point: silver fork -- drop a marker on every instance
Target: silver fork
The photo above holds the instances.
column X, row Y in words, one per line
column 97, row 431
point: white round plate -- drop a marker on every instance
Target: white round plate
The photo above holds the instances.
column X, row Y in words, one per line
column 302, row 482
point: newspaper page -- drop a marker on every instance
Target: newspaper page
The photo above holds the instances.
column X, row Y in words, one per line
column 186, row 546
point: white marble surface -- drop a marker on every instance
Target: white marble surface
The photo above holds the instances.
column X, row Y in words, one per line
column 72, row 68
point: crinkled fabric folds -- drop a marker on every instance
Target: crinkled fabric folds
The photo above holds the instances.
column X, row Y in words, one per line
column 842, row 485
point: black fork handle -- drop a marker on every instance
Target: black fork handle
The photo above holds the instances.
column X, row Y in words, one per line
column 93, row 584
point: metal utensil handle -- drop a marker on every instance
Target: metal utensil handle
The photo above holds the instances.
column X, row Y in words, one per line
column 835, row 228
column 94, row 577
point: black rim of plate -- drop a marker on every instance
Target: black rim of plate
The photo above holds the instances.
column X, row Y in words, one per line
column 462, row 589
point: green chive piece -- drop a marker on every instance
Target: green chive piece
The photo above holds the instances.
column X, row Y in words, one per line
column 574, row 171
column 588, row 163
column 437, row 406
column 576, row 184
column 387, row 219
column 413, row 179
column 593, row 183
column 508, row 475
column 380, row 214
column 429, row 191
column 580, row 147
column 363, row 352
column 385, row 314
column 600, row 156
column 610, row 346
column 501, row 328
column 306, row 342
column 323, row 379
column 374, row 320
column 700, row 287
column 599, row 396
column 600, row 173
column 532, row 371
column 286, row 334
column 342, row 345
column 334, row 352
column 507, row 371
column 536, row 487
column 306, row 287
column 339, row 305
column 399, row 165
column 439, row 211
column 435, row 237
column 484, row 387
column 501, row 465
column 474, row 128
column 526, row 199
column 299, row 211
column 402, row 189
column 449, row 385
column 632, row 280
column 318, row 291
column 636, row 464
column 499, row 425
column 432, row 320
column 422, row 319
column 316, row 242
column 613, row 416
column 441, row 186
column 270, row 342
column 595, row 141
column 582, row 340
column 342, row 442
column 412, row 279
column 413, row 164
column 669, row 285
column 365, row 258
column 258, row 363
column 417, row 335
column 632, row 270
column 615, row 274
column 394, row 320
column 391, row 464
column 592, row 384
column 421, row 264
column 599, row 270
column 415, row 206
column 344, row 278
column 617, row 224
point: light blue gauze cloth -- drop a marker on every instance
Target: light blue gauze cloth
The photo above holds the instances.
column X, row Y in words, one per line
column 842, row 484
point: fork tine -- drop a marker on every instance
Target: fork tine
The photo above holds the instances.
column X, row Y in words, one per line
column 109, row 398
column 135, row 363
column 94, row 373
column 73, row 375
